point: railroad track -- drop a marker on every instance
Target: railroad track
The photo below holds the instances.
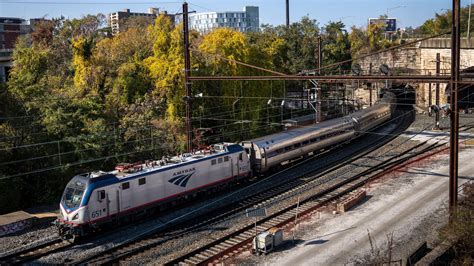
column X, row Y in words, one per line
column 151, row 240
column 34, row 252
column 144, row 243
column 221, row 247
column 55, row 245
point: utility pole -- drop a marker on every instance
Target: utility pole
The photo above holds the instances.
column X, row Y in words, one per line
column 469, row 24
column 319, row 117
column 370, row 85
column 438, row 64
column 287, row 13
column 319, row 93
column 187, row 83
column 320, row 54
column 430, row 97
column 453, row 133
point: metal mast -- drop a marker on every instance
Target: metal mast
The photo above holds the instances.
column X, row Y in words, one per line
column 454, row 134
column 187, row 83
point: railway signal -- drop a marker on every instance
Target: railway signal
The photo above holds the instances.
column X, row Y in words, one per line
column 256, row 212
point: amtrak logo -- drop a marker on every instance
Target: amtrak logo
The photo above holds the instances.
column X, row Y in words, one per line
column 181, row 178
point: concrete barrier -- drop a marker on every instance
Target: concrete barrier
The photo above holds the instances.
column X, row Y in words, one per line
column 15, row 221
column 350, row 201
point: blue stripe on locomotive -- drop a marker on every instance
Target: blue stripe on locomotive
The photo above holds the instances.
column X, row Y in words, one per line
column 111, row 179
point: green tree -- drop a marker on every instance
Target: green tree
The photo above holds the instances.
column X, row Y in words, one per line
column 337, row 46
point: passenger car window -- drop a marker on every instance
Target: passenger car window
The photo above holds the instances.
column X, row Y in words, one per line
column 213, row 162
column 125, row 185
column 219, row 160
column 142, row 181
column 226, row 158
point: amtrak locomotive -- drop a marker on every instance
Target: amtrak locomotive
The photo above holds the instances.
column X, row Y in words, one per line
column 94, row 199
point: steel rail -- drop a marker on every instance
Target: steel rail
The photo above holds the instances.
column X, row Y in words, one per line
column 34, row 252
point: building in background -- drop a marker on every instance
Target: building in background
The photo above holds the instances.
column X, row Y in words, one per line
column 243, row 21
column 118, row 19
column 389, row 24
column 10, row 30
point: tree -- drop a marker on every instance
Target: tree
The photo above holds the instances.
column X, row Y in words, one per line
column 359, row 41
column 337, row 46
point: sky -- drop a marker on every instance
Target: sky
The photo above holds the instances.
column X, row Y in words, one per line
column 351, row 12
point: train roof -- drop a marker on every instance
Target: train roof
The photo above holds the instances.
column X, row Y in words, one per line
column 322, row 127
column 284, row 135
column 132, row 170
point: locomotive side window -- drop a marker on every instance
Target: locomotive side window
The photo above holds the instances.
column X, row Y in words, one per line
column 142, row 181
column 101, row 195
column 213, row 162
column 125, row 185
column 240, row 157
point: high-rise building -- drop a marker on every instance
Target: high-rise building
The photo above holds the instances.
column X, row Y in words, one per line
column 117, row 19
column 10, row 30
column 243, row 21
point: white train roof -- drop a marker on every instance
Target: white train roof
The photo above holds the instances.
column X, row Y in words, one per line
column 129, row 170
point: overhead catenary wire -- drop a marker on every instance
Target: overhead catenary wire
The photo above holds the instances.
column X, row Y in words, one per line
column 116, row 155
column 102, row 146
column 108, row 145
column 240, row 63
column 377, row 52
column 76, row 163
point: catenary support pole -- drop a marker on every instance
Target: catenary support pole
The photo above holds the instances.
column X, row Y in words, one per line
column 187, row 83
column 320, row 55
column 430, row 98
column 370, row 85
column 438, row 66
column 469, row 24
column 454, row 134
column 287, row 5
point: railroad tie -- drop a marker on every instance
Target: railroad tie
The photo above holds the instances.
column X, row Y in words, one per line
column 261, row 228
column 272, row 223
column 217, row 249
column 247, row 234
column 207, row 253
column 201, row 257
column 240, row 238
column 226, row 244
column 232, row 242
column 190, row 262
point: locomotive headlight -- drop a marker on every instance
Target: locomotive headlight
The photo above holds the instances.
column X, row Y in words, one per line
column 75, row 217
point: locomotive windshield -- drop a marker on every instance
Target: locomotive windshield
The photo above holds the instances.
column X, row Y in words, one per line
column 74, row 191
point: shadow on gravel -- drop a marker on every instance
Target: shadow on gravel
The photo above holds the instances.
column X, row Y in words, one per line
column 287, row 245
column 360, row 203
column 316, row 242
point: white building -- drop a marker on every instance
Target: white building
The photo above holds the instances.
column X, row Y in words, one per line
column 243, row 21
column 117, row 19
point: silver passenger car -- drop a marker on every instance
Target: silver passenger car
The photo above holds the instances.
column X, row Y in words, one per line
column 276, row 149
